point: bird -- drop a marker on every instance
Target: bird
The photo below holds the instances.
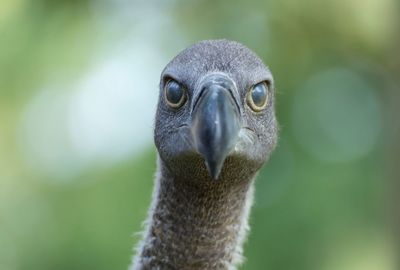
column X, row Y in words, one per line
column 215, row 127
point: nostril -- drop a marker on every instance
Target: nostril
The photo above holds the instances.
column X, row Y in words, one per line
column 203, row 90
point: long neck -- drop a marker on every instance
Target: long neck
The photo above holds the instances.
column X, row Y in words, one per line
column 195, row 224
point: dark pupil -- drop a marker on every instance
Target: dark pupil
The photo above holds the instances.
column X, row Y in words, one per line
column 259, row 94
column 174, row 92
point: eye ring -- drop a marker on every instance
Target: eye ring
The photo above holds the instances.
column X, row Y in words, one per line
column 174, row 94
column 258, row 96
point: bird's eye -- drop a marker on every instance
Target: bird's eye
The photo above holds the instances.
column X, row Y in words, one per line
column 257, row 97
column 175, row 94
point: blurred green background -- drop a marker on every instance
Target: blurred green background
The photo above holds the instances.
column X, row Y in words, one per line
column 78, row 90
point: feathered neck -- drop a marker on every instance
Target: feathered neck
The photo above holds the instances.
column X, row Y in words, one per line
column 195, row 223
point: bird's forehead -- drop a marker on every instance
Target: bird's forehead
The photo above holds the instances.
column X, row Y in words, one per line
column 228, row 57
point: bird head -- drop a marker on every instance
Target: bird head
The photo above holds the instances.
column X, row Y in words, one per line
column 215, row 116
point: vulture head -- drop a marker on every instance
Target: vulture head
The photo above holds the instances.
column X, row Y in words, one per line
column 215, row 118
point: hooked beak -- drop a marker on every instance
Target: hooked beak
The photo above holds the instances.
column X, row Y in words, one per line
column 216, row 122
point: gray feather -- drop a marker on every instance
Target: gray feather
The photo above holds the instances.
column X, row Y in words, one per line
column 196, row 222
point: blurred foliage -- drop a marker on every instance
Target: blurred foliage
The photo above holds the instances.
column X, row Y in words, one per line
column 327, row 200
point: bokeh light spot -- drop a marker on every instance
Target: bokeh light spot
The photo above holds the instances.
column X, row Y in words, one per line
column 337, row 116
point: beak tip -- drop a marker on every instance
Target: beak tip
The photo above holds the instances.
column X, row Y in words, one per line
column 214, row 169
